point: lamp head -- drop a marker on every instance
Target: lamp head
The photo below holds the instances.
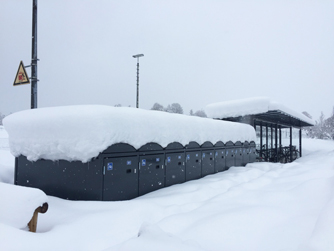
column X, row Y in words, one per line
column 138, row 55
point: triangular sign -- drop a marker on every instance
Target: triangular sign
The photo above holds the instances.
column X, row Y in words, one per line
column 21, row 76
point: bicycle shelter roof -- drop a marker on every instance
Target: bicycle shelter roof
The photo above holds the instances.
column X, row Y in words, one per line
column 261, row 109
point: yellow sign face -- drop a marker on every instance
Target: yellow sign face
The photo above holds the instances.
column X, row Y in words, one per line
column 21, row 76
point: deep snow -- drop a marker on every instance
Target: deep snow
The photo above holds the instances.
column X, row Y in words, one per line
column 249, row 106
column 263, row 206
column 82, row 132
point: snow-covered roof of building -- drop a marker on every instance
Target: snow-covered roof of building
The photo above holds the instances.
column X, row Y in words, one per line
column 82, row 132
column 257, row 106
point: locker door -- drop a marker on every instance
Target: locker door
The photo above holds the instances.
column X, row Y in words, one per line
column 208, row 164
column 193, row 165
column 238, row 157
column 229, row 157
column 220, row 164
column 120, row 178
column 245, row 156
column 175, row 169
column 151, row 173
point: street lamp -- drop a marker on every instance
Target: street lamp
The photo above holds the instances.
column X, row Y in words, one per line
column 138, row 56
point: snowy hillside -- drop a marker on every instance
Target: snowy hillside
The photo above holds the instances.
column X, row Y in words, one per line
column 260, row 207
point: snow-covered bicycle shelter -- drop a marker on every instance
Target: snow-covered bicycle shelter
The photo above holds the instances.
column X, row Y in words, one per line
column 268, row 118
column 108, row 153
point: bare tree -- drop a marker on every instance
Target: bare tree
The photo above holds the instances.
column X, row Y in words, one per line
column 1, row 118
column 200, row 113
column 174, row 108
column 157, row 107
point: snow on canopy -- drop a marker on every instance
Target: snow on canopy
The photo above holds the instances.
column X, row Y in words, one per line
column 82, row 132
column 250, row 106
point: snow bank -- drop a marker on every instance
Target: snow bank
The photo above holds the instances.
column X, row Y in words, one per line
column 262, row 206
column 7, row 162
column 236, row 108
column 3, row 138
column 18, row 204
column 82, row 132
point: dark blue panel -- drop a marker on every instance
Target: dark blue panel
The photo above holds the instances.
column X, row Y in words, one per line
column 175, row 168
column 120, row 178
column 151, row 173
column 208, row 162
column 220, row 163
column 193, row 165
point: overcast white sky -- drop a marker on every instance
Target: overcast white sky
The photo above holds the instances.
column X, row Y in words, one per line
column 196, row 52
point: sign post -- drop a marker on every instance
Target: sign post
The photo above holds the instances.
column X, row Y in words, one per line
column 34, row 57
column 21, row 77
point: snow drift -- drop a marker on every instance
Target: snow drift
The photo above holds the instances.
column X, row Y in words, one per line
column 18, row 204
column 250, row 106
column 82, row 132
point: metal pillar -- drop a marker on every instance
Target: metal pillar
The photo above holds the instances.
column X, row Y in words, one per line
column 276, row 139
column 137, row 100
column 280, row 139
column 267, row 142
column 260, row 140
column 271, row 137
column 137, row 56
column 300, row 142
column 34, row 57
column 290, row 143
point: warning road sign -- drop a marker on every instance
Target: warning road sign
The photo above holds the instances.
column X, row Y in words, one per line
column 21, row 76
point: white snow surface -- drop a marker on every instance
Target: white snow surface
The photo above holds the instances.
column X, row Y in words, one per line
column 18, row 204
column 82, row 132
column 259, row 207
column 236, row 108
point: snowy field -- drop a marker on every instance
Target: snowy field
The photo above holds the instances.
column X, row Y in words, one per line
column 262, row 206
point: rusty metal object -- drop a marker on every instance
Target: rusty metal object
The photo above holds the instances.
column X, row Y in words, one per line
column 33, row 222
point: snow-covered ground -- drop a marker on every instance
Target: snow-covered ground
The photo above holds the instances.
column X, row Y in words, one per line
column 263, row 206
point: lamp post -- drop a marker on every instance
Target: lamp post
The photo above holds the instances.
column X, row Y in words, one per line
column 138, row 56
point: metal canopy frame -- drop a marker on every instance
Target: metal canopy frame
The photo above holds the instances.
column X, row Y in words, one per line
column 274, row 117
column 276, row 120
column 281, row 118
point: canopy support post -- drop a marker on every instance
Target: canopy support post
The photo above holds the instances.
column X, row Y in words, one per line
column 260, row 139
column 276, row 148
column 300, row 142
column 290, row 143
column 271, row 136
column 267, row 142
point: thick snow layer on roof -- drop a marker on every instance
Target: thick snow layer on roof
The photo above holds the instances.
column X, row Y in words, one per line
column 18, row 204
column 82, row 132
column 250, row 106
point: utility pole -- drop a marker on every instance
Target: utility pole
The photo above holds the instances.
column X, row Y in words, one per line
column 137, row 56
column 34, row 57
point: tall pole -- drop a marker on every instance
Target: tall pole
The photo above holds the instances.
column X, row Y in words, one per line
column 137, row 102
column 34, row 56
column 137, row 56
